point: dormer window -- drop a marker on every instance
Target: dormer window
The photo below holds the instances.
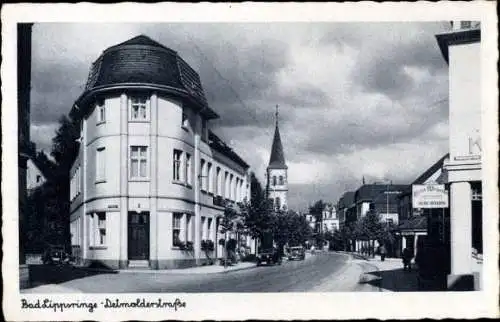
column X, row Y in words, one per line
column 139, row 108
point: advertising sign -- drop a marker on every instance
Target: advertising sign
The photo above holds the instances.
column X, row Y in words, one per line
column 429, row 196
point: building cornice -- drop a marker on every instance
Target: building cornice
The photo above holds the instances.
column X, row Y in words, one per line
column 457, row 38
column 85, row 98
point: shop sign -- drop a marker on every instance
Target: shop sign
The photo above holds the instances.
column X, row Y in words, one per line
column 429, row 196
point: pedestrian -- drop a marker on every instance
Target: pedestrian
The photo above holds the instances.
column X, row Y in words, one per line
column 407, row 257
column 383, row 252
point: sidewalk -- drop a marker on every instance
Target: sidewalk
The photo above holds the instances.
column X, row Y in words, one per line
column 208, row 269
column 389, row 275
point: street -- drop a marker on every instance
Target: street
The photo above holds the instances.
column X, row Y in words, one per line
column 292, row 276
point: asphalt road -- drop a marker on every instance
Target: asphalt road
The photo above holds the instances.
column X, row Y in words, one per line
column 291, row 276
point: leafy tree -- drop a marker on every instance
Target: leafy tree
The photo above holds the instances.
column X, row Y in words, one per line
column 257, row 212
column 50, row 204
column 290, row 228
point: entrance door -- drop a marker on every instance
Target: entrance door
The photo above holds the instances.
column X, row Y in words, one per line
column 138, row 236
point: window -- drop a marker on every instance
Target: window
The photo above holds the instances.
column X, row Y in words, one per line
column 98, row 224
column 210, row 178
column 237, row 196
column 100, row 162
column 231, row 188
column 226, row 184
column 38, row 178
column 218, row 182
column 101, row 220
column 138, row 162
column 202, row 228
column 176, row 229
column 185, row 120
column 278, row 202
column 188, row 228
column 101, row 112
column 138, row 108
column 209, row 228
column 274, row 180
column 177, row 165
column 187, row 173
column 281, row 181
column 390, row 221
column 203, row 179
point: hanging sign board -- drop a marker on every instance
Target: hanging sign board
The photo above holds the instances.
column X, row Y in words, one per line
column 429, row 196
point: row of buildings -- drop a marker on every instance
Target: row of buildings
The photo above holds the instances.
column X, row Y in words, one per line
column 455, row 230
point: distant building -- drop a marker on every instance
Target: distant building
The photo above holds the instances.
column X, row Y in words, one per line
column 151, row 180
column 380, row 198
column 330, row 218
column 277, row 172
column 346, row 208
column 461, row 49
column 34, row 175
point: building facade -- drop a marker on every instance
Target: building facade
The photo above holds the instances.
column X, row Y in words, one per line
column 151, row 180
column 330, row 219
column 277, row 172
column 461, row 49
column 25, row 146
column 415, row 223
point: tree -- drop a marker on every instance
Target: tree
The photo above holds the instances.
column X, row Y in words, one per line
column 316, row 210
column 290, row 228
column 50, row 204
column 257, row 212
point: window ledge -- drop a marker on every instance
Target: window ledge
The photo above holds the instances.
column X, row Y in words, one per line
column 100, row 181
column 100, row 122
column 139, row 179
column 98, row 247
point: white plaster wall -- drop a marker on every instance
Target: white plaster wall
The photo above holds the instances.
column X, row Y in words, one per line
column 465, row 100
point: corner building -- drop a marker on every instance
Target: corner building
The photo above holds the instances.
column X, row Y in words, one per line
column 151, row 180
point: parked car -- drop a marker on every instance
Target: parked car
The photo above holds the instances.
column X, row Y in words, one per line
column 56, row 255
column 269, row 257
column 297, row 252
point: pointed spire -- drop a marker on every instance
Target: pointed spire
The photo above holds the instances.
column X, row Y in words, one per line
column 277, row 159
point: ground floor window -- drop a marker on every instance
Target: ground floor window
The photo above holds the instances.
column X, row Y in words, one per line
column 98, row 229
column 176, row 229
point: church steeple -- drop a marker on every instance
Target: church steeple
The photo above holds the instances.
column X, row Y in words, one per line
column 277, row 172
column 277, row 159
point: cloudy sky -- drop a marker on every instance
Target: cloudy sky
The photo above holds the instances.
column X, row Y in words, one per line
column 355, row 99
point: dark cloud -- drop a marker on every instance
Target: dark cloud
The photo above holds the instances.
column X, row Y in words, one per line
column 55, row 88
column 385, row 72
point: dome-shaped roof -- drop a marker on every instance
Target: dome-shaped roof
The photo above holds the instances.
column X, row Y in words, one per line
column 143, row 62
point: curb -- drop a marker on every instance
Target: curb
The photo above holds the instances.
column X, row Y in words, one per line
column 175, row 272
